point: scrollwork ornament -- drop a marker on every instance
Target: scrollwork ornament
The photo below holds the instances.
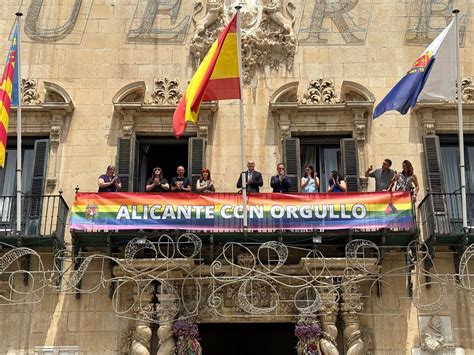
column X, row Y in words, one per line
column 29, row 90
column 320, row 92
column 165, row 92
column 467, row 88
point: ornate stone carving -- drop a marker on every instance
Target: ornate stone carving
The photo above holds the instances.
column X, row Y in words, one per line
column 329, row 310
column 320, row 92
column 467, row 90
column 51, row 182
column 36, row 33
column 428, row 122
column 166, row 340
column 268, row 38
column 434, row 338
column 165, row 92
column 55, row 135
column 141, row 340
column 29, row 92
column 350, row 311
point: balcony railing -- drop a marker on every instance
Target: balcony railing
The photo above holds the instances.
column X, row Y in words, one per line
column 441, row 214
column 42, row 216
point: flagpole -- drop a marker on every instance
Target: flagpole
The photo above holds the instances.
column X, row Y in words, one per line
column 242, row 143
column 18, row 130
column 461, row 128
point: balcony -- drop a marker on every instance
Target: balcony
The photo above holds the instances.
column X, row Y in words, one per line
column 441, row 218
column 43, row 221
column 108, row 221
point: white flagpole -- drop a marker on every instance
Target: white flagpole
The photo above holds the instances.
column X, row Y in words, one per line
column 242, row 143
column 18, row 130
column 461, row 129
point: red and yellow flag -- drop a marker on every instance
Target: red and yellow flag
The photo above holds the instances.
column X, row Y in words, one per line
column 217, row 78
column 6, row 88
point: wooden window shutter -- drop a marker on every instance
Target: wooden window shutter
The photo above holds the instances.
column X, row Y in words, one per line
column 350, row 163
column 292, row 161
column 196, row 160
column 126, row 162
column 434, row 171
column 34, row 203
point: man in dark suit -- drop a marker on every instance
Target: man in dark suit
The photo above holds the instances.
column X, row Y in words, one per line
column 280, row 182
column 253, row 177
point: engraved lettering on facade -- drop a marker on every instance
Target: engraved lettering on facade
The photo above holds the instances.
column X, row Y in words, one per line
column 160, row 21
column 427, row 18
column 349, row 17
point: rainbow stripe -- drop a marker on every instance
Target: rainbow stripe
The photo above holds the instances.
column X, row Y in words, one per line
column 223, row 212
column 8, row 82
column 217, row 78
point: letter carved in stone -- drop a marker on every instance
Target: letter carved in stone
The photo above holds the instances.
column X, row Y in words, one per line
column 351, row 25
column 37, row 33
column 427, row 18
column 148, row 23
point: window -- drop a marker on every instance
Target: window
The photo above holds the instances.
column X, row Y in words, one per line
column 137, row 157
column 450, row 162
column 34, row 161
column 325, row 153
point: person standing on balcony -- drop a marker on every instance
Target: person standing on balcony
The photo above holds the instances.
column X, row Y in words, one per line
column 406, row 180
column 205, row 183
column 253, row 177
column 280, row 182
column 309, row 182
column 157, row 183
column 109, row 182
column 180, row 183
column 383, row 176
column 336, row 182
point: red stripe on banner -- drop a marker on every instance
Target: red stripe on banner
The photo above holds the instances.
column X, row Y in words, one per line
column 179, row 118
column 3, row 135
column 222, row 89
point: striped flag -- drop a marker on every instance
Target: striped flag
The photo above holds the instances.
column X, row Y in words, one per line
column 217, row 78
column 9, row 82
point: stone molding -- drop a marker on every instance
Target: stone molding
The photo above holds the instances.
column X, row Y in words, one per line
column 319, row 109
column 439, row 118
column 155, row 115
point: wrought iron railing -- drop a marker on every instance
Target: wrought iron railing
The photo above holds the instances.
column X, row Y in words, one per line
column 42, row 216
column 441, row 214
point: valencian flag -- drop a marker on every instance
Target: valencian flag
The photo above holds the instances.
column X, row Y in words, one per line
column 217, row 78
column 8, row 94
column 432, row 76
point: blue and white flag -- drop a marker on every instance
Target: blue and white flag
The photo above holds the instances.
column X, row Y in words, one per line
column 432, row 76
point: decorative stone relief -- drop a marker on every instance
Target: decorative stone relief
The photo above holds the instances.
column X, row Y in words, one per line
column 435, row 333
column 351, row 308
column 467, row 90
column 428, row 122
column 320, row 92
column 141, row 339
column 268, row 39
column 165, row 92
column 329, row 310
column 166, row 340
column 29, row 91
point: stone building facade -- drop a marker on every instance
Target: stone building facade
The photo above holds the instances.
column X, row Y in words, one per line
column 101, row 80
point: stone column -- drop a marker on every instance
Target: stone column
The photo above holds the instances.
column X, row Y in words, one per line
column 329, row 311
column 166, row 340
column 351, row 307
column 141, row 339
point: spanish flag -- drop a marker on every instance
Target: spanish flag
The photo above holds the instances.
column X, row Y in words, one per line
column 217, row 78
column 6, row 88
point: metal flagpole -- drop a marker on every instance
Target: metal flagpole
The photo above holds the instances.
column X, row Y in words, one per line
column 461, row 129
column 242, row 143
column 18, row 129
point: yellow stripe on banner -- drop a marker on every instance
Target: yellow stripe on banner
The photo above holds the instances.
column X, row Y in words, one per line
column 196, row 83
column 2, row 156
column 7, row 86
column 227, row 65
column 4, row 116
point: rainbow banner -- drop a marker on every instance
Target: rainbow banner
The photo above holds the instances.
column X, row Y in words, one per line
column 223, row 211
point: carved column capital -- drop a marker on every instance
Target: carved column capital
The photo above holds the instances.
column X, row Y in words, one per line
column 128, row 123
column 284, row 123
column 56, row 125
column 203, row 124
column 360, row 125
column 428, row 121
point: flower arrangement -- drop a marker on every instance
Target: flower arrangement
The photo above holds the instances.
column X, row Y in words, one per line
column 308, row 335
column 187, row 334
